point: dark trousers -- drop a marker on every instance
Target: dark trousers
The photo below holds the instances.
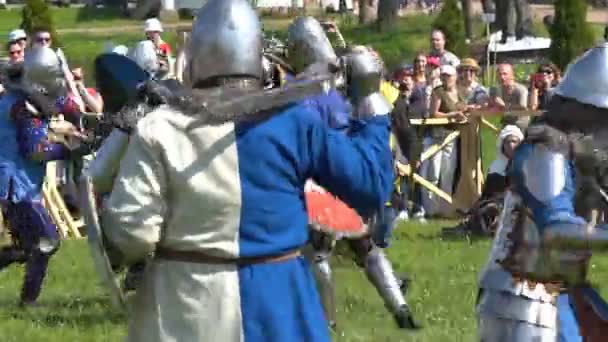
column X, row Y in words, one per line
column 35, row 240
column 400, row 198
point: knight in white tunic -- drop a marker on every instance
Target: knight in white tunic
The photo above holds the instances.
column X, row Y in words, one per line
column 221, row 207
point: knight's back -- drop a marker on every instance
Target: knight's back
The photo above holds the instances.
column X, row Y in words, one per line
column 222, row 207
column 247, row 179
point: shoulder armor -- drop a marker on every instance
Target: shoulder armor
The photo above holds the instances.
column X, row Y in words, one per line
column 543, row 171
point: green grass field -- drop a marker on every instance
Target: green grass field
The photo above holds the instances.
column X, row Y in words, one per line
column 73, row 307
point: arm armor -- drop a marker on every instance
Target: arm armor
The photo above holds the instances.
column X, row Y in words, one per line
column 549, row 242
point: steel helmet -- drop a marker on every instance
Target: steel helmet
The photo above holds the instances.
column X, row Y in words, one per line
column 586, row 79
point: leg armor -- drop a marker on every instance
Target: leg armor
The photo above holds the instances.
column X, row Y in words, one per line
column 379, row 271
column 383, row 225
column 325, row 284
column 37, row 236
column 318, row 253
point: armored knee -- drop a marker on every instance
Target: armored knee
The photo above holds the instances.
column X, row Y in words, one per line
column 322, row 245
column 361, row 248
column 48, row 246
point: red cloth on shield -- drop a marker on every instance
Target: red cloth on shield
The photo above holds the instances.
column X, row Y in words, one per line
column 331, row 214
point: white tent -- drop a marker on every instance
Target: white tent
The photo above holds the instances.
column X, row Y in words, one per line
column 524, row 44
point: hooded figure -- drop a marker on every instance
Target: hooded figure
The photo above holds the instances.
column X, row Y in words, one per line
column 496, row 181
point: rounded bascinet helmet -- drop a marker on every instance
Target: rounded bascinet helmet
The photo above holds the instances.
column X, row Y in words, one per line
column 363, row 80
column 586, row 79
column 226, row 42
column 43, row 71
column 144, row 54
column 364, row 74
column 308, row 44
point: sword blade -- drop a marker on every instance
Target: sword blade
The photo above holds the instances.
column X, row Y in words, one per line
column 97, row 248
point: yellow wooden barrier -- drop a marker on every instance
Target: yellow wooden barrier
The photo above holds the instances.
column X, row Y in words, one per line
column 477, row 119
column 434, row 149
column 53, row 201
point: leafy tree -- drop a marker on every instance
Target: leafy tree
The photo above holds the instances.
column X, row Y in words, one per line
column 570, row 33
column 36, row 15
column 450, row 21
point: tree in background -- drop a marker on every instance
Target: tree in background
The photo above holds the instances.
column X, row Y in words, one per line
column 451, row 22
column 570, row 33
column 368, row 10
column 467, row 12
column 36, row 14
column 387, row 14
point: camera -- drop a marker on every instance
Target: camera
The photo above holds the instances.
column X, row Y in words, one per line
column 538, row 80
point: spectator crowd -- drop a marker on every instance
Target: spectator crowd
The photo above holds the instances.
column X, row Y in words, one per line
column 439, row 84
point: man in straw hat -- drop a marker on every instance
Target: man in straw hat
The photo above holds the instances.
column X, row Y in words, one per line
column 475, row 94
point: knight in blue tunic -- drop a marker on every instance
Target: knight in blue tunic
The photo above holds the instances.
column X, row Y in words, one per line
column 547, row 232
column 26, row 147
column 221, row 207
column 310, row 51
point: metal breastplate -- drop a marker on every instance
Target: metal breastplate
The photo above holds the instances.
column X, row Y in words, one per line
column 495, row 277
column 506, row 297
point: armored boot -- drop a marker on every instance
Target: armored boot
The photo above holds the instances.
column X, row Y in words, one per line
column 380, row 273
column 35, row 272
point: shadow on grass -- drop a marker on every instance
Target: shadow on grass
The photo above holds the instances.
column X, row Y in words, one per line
column 81, row 312
column 439, row 236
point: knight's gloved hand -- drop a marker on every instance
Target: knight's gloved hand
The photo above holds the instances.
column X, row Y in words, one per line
column 548, row 136
column 45, row 106
column 156, row 93
column 591, row 163
column 126, row 120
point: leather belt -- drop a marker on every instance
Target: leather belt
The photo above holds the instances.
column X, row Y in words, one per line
column 203, row 258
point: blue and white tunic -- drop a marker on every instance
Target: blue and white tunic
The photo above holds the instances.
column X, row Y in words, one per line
column 236, row 191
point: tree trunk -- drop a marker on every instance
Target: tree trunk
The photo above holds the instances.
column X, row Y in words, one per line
column 368, row 10
column 387, row 14
column 467, row 15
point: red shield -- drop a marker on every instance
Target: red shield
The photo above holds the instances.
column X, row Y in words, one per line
column 327, row 213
